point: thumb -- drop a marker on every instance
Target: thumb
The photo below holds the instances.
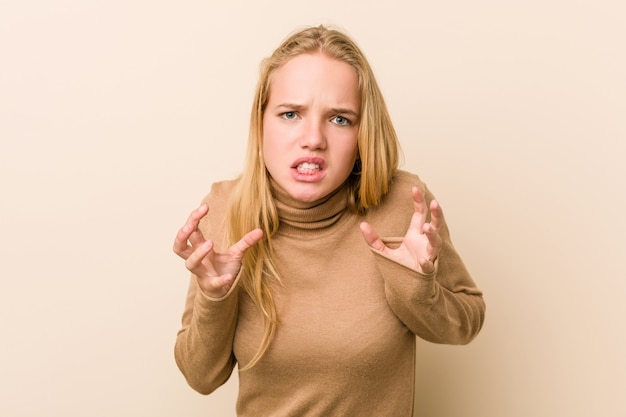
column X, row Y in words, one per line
column 249, row 239
column 371, row 237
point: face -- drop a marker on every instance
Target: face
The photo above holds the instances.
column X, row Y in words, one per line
column 310, row 125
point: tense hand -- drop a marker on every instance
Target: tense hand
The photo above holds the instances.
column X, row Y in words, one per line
column 215, row 271
column 422, row 242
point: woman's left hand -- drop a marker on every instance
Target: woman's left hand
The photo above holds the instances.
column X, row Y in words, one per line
column 422, row 242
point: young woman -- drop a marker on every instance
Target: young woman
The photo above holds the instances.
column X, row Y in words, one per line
column 316, row 269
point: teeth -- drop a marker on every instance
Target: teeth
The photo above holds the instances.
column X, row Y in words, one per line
column 307, row 166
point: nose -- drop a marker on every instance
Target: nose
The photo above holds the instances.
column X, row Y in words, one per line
column 313, row 135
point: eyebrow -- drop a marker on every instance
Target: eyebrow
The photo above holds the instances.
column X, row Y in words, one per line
column 290, row 106
column 334, row 110
column 345, row 111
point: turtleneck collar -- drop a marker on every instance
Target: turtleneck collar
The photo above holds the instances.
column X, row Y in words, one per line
column 297, row 215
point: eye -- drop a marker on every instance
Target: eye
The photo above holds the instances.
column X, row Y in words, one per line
column 341, row 121
column 289, row 115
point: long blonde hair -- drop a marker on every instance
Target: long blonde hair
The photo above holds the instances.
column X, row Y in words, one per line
column 252, row 205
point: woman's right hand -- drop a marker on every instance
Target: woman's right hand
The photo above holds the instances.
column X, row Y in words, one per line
column 215, row 271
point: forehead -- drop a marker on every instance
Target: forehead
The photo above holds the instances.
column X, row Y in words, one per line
column 315, row 75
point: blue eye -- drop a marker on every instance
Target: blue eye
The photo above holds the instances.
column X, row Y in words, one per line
column 341, row 121
column 288, row 115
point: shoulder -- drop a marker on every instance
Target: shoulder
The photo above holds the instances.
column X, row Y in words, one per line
column 218, row 200
column 220, row 192
column 400, row 188
column 406, row 179
column 393, row 214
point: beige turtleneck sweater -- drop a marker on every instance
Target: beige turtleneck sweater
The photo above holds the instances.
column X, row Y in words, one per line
column 348, row 316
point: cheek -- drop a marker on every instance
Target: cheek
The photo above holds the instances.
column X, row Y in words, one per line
column 269, row 144
column 349, row 156
column 271, row 149
column 271, row 134
column 353, row 150
column 267, row 154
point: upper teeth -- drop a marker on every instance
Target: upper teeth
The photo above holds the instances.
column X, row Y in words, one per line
column 308, row 165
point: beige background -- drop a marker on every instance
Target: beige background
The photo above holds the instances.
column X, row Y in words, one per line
column 115, row 116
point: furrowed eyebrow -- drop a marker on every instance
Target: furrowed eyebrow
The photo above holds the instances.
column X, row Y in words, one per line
column 300, row 107
column 290, row 106
column 345, row 111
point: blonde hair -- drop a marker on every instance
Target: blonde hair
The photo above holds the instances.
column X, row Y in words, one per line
column 252, row 205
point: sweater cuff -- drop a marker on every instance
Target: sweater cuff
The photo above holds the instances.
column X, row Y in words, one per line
column 206, row 299
column 407, row 282
column 431, row 276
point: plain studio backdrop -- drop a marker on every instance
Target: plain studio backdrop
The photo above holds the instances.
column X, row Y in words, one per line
column 116, row 116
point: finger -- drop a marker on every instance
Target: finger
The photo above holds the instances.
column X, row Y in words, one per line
column 419, row 201
column 420, row 210
column 181, row 246
column 434, row 242
column 197, row 214
column 217, row 287
column 194, row 218
column 432, row 234
column 249, row 239
column 371, row 237
column 436, row 215
column 196, row 238
column 427, row 266
column 420, row 207
column 194, row 260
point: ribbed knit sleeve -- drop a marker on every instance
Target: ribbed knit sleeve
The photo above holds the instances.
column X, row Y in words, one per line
column 204, row 344
column 442, row 307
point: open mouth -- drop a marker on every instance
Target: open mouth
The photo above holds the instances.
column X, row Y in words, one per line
column 307, row 168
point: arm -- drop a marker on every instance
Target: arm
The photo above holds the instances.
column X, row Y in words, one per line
column 426, row 283
column 444, row 306
column 204, row 343
column 203, row 349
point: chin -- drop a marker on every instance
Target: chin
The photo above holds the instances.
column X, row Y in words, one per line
column 304, row 195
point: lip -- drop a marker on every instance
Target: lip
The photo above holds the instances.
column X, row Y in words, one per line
column 314, row 176
column 311, row 160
